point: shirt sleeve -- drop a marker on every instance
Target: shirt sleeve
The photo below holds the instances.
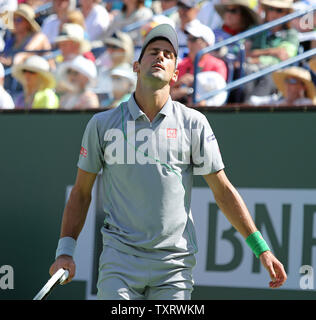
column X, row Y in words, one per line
column 91, row 156
column 206, row 156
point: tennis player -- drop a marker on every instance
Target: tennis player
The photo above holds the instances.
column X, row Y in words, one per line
column 148, row 149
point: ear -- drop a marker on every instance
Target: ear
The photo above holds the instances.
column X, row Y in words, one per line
column 175, row 76
column 136, row 66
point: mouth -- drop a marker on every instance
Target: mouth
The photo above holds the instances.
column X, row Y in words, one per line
column 158, row 66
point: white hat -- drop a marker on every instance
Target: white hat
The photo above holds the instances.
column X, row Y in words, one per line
column 125, row 72
column 1, row 71
column 35, row 64
column 199, row 30
column 74, row 32
column 208, row 81
column 82, row 65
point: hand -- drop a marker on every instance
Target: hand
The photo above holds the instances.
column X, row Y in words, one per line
column 65, row 262
column 275, row 268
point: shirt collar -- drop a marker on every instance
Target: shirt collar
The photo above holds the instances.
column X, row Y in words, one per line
column 136, row 112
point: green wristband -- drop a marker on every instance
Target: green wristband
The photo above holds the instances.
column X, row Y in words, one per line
column 257, row 244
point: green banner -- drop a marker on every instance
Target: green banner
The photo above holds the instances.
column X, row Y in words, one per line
column 261, row 151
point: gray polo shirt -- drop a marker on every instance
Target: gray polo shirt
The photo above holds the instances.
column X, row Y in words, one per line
column 147, row 175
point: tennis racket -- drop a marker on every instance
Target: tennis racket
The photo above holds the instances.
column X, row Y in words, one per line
column 58, row 278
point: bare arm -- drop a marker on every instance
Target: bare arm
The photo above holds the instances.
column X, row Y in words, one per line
column 74, row 217
column 235, row 210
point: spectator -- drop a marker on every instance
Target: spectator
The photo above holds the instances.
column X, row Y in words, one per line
column 199, row 36
column 52, row 25
column 96, row 18
column 37, row 81
column 79, row 75
column 281, row 42
column 270, row 47
column 295, row 88
column 123, row 84
column 237, row 17
column 207, row 82
column 188, row 11
column 71, row 41
column 6, row 101
column 27, row 36
column 119, row 54
column 132, row 11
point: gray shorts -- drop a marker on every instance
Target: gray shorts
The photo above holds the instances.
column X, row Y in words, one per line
column 127, row 277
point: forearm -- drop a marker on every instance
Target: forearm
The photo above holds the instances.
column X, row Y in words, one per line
column 279, row 53
column 75, row 214
column 235, row 210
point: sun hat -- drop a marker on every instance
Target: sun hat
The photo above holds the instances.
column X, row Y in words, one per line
column 295, row 72
column 245, row 4
column 81, row 65
column 208, row 81
column 282, row 4
column 35, row 64
column 28, row 13
column 199, row 30
column 74, row 32
column 164, row 30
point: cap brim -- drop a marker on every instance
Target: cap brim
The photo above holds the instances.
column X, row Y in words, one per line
column 48, row 78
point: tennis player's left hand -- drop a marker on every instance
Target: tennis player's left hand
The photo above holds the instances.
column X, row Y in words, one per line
column 275, row 268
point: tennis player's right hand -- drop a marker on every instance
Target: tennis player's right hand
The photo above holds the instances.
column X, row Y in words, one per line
column 65, row 262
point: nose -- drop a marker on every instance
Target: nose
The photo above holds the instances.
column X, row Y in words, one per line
column 160, row 55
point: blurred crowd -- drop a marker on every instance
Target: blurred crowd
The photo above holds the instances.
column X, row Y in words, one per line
column 79, row 54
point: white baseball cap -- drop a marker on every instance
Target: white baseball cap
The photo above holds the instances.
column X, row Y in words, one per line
column 82, row 65
column 208, row 81
column 199, row 30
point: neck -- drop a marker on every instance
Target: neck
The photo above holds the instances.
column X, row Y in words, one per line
column 151, row 101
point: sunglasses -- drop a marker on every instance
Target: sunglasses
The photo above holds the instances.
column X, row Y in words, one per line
column 28, row 71
column 192, row 39
column 18, row 19
column 292, row 81
column 232, row 11
column 71, row 72
column 112, row 46
column 278, row 10
column 183, row 6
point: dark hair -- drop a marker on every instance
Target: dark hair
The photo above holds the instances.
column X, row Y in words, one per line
column 246, row 18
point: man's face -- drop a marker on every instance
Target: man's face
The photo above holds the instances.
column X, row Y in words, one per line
column 158, row 63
